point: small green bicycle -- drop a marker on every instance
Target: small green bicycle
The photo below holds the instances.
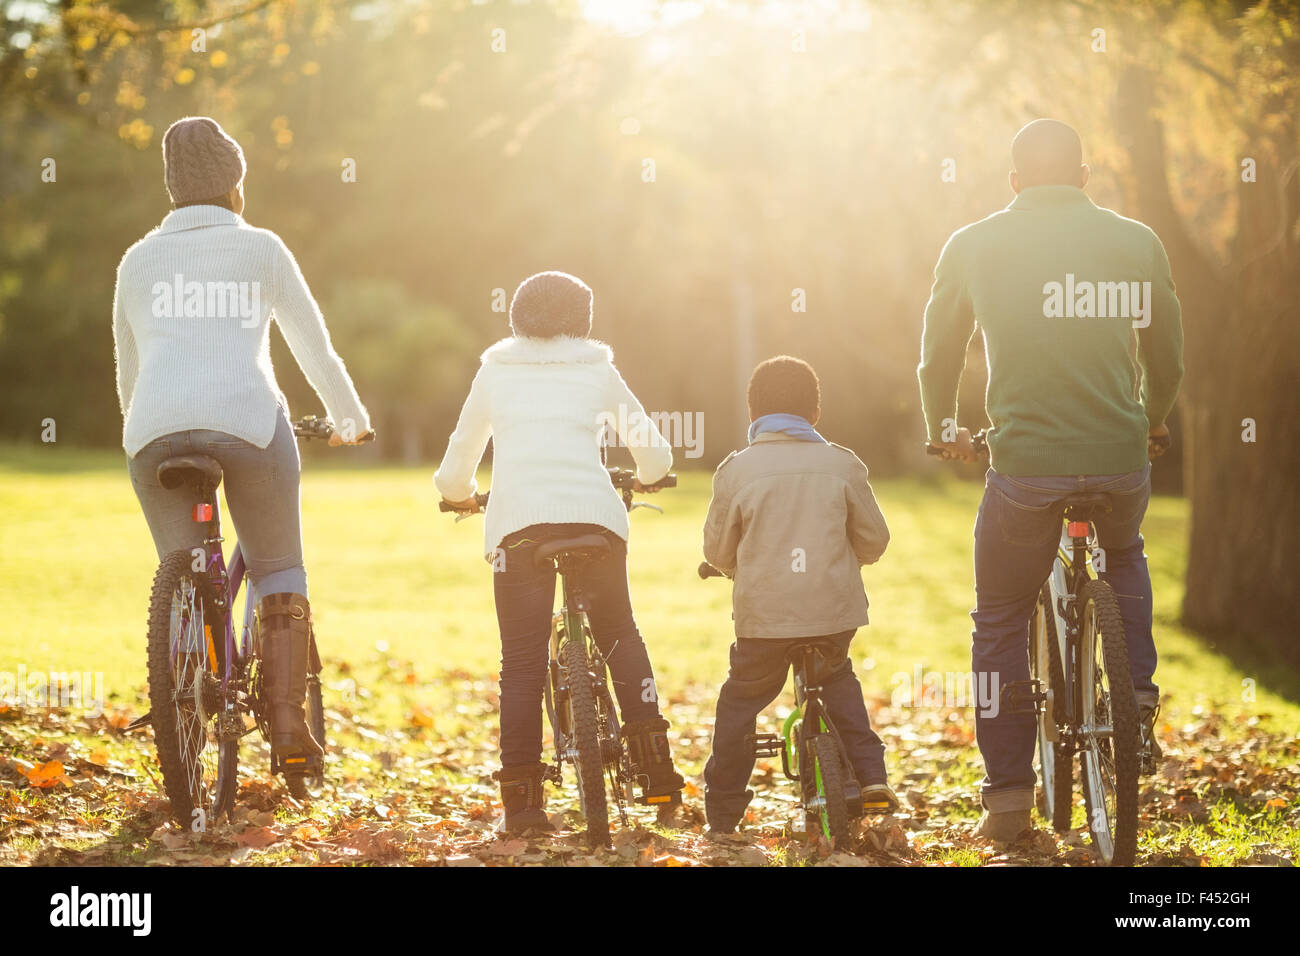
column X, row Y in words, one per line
column 810, row 748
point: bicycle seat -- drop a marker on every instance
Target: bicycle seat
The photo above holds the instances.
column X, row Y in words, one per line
column 824, row 648
column 1083, row 506
column 181, row 470
column 583, row 546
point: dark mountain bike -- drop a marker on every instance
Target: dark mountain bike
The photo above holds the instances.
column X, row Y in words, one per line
column 584, row 720
column 206, row 689
column 1080, row 689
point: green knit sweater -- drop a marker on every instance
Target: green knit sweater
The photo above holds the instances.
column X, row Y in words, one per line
column 1059, row 287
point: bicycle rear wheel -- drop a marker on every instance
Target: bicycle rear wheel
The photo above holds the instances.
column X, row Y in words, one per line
column 186, row 660
column 584, row 738
column 1108, row 727
column 827, row 783
column 1055, row 768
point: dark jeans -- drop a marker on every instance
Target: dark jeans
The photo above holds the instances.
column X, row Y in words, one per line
column 525, row 601
column 759, row 667
column 1016, row 537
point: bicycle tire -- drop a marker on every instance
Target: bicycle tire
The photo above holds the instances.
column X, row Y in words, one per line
column 828, row 783
column 185, row 779
column 1055, row 765
column 585, row 740
column 1121, row 708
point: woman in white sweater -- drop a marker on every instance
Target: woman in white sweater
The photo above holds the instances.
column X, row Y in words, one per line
column 544, row 397
column 191, row 325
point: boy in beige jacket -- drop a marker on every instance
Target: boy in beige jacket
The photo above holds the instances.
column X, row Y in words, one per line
column 792, row 521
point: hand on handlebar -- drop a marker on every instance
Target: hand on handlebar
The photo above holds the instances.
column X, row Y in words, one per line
column 337, row 439
column 963, row 449
column 468, row 506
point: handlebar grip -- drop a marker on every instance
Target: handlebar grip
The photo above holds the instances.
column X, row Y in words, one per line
column 707, row 571
column 667, row 481
column 445, row 506
column 933, row 449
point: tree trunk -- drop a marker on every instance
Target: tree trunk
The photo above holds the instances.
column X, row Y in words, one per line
column 1242, row 351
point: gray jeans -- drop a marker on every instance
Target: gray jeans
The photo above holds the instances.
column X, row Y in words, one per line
column 262, row 491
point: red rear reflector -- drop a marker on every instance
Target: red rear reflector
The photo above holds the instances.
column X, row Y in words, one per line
column 203, row 512
column 1078, row 529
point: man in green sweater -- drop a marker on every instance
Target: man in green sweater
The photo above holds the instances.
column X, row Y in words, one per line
column 1058, row 286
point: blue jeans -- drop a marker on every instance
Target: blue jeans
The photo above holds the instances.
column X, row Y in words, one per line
column 525, row 602
column 1016, row 537
column 759, row 667
column 262, row 491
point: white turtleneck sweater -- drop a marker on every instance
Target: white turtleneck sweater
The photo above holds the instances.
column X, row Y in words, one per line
column 192, row 324
column 545, row 403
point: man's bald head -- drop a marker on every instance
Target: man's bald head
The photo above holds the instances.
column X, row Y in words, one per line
column 1047, row 152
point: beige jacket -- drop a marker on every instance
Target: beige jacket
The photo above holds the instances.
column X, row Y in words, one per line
column 793, row 522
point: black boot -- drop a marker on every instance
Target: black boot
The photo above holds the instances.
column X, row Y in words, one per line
column 523, row 797
column 286, row 646
column 652, row 761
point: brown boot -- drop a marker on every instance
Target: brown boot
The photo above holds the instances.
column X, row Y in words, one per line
column 286, row 647
column 524, row 798
column 652, row 761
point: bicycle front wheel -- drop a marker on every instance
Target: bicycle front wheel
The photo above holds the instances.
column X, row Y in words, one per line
column 1108, row 729
column 1054, row 765
column 584, row 739
column 186, row 661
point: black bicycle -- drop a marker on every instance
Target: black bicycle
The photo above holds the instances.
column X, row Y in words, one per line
column 811, row 751
column 584, row 721
column 1080, row 689
column 205, row 689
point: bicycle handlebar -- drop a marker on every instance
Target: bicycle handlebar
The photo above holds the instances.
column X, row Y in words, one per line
column 313, row 427
column 979, row 443
column 623, row 479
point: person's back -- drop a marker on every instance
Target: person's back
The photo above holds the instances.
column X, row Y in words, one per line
column 800, row 520
column 1057, row 286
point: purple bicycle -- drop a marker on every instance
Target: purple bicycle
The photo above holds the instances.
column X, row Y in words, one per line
column 205, row 689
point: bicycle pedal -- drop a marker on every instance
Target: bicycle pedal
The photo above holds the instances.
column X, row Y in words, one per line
column 1022, row 697
column 296, row 763
column 661, row 800
column 767, row 745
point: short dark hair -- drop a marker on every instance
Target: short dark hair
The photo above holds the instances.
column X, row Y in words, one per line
column 1047, row 152
column 785, row 384
column 551, row 303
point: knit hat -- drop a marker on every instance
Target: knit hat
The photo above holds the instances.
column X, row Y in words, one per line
column 200, row 160
column 549, row 304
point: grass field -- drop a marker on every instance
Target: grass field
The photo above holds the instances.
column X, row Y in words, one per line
column 404, row 614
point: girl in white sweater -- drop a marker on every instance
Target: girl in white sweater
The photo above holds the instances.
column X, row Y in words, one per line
column 543, row 397
column 192, row 316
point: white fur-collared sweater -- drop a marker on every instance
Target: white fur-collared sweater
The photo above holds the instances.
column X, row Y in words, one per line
column 545, row 403
column 192, row 330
